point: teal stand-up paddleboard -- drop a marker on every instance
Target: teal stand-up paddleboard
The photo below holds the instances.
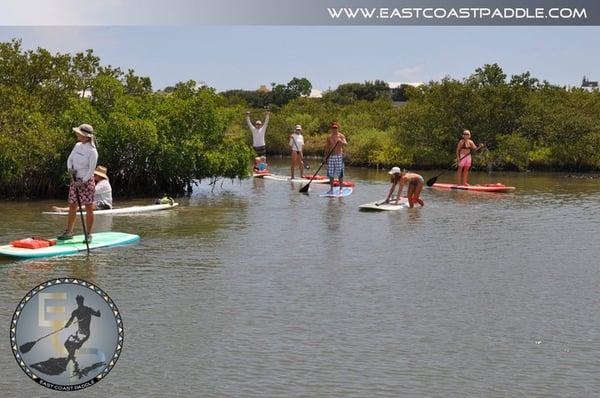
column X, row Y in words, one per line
column 346, row 191
column 71, row 246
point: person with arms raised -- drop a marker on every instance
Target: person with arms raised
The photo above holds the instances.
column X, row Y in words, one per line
column 259, row 130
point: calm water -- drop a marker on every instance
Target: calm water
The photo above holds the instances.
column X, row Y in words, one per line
column 256, row 290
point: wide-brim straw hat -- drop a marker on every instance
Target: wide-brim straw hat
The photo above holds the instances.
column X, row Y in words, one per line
column 101, row 172
column 85, row 130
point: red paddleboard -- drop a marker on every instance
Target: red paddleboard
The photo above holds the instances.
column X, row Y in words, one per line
column 479, row 188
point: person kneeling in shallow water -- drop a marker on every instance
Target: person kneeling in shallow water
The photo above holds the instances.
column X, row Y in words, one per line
column 415, row 186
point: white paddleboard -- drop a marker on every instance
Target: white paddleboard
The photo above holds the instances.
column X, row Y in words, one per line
column 121, row 210
column 346, row 191
column 380, row 206
column 282, row 178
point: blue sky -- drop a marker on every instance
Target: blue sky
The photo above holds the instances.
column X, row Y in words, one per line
column 229, row 57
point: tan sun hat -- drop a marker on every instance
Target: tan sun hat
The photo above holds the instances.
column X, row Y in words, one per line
column 85, row 130
column 101, row 172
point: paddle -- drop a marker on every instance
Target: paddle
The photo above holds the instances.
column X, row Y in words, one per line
column 25, row 348
column 388, row 202
column 306, row 165
column 432, row 180
column 304, row 189
column 85, row 235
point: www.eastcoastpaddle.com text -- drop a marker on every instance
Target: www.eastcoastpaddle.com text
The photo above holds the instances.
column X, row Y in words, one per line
column 443, row 13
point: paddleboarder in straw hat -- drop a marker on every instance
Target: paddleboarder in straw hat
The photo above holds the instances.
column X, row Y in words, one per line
column 103, row 194
column 81, row 165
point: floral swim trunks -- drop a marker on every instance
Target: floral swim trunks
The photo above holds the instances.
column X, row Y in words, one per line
column 86, row 193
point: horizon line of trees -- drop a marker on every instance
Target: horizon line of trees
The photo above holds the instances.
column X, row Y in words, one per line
column 526, row 124
column 165, row 141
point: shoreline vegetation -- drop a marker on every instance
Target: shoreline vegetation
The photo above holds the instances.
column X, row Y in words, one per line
column 156, row 142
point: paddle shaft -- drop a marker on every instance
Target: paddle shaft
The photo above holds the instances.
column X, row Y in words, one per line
column 432, row 180
column 25, row 348
column 305, row 188
column 85, row 235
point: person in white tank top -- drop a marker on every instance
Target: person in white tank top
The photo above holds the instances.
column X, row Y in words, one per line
column 296, row 145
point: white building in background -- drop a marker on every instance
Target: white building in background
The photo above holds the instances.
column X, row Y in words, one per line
column 589, row 85
column 394, row 85
column 314, row 93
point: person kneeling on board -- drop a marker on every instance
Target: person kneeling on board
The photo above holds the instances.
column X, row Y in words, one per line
column 415, row 186
column 260, row 165
column 102, row 192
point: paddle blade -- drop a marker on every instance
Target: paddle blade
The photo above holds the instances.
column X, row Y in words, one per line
column 304, row 189
column 52, row 366
column 25, row 348
column 431, row 181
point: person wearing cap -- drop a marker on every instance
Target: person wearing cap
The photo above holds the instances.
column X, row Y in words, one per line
column 102, row 192
column 415, row 183
column 463, row 157
column 335, row 163
column 296, row 145
column 395, row 179
column 81, row 165
column 258, row 130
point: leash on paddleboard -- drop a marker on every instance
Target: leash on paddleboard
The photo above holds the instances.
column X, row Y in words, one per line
column 85, row 234
column 432, row 180
column 304, row 189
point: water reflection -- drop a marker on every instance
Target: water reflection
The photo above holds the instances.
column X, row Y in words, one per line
column 266, row 285
column 414, row 215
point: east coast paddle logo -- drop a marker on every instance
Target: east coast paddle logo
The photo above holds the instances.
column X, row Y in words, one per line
column 66, row 334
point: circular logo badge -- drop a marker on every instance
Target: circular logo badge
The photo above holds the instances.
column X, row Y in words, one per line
column 66, row 334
